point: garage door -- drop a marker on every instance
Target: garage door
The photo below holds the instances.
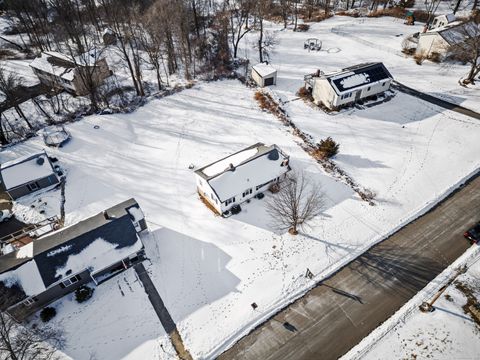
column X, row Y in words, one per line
column 268, row 81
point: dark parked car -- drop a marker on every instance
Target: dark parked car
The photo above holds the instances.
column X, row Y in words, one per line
column 473, row 234
column 235, row 209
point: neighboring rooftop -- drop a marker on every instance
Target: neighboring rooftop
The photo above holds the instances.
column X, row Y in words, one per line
column 25, row 169
column 247, row 168
column 264, row 70
column 456, row 33
column 357, row 76
column 63, row 65
column 92, row 243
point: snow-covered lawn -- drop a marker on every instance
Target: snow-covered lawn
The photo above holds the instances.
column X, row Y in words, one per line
column 208, row 270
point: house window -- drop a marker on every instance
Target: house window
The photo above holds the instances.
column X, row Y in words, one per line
column 247, row 192
column 385, row 83
column 346, row 96
column 368, row 89
column 229, row 201
column 70, row 281
column 30, row 301
column 33, row 186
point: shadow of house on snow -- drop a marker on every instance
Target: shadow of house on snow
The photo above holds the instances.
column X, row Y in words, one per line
column 189, row 274
column 398, row 270
column 403, row 109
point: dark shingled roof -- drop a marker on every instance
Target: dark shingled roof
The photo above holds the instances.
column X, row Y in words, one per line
column 118, row 229
column 373, row 71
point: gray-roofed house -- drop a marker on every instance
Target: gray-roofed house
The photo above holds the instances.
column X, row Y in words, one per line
column 439, row 39
column 90, row 251
column 27, row 174
column 63, row 71
column 348, row 85
column 240, row 176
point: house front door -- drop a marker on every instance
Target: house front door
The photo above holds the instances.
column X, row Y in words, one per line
column 358, row 95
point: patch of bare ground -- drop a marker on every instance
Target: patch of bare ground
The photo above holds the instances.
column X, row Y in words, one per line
column 267, row 103
column 472, row 307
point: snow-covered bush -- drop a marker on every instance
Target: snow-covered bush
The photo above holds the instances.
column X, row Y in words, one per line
column 48, row 314
column 328, row 147
column 83, row 293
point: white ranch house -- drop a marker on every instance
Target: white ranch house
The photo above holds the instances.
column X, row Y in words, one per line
column 240, row 176
column 264, row 74
column 349, row 85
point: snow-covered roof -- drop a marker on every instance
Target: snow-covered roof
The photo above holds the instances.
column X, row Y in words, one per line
column 63, row 68
column 357, row 76
column 25, row 169
column 264, row 70
column 94, row 244
column 26, row 276
column 457, row 33
column 62, row 65
column 245, row 169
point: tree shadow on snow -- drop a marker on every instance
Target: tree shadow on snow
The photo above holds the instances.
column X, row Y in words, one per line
column 399, row 270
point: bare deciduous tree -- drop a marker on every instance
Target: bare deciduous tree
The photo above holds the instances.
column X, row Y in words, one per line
column 297, row 203
column 10, row 86
column 467, row 50
column 19, row 342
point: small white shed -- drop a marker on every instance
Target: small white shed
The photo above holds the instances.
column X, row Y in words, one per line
column 264, row 74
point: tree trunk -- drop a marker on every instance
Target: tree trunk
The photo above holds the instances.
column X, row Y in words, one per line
column 260, row 41
column 3, row 137
column 457, row 5
column 22, row 115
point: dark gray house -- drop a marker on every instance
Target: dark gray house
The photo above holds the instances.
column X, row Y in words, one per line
column 92, row 250
column 27, row 174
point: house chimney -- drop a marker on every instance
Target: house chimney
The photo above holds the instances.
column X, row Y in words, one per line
column 231, row 167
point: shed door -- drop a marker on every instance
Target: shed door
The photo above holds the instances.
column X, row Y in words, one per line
column 269, row 81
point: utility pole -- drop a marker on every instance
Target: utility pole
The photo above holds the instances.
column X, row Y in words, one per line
column 428, row 306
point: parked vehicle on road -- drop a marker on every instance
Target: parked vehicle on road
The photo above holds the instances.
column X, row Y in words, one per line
column 473, row 235
column 5, row 215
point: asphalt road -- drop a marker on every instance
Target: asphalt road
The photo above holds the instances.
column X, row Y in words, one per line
column 333, row 317
column 435, row 100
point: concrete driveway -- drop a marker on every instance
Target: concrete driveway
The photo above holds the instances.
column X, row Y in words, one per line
column 333, row 317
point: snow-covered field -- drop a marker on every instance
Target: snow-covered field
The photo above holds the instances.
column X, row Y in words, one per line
column 446, row 333
column 208, row 270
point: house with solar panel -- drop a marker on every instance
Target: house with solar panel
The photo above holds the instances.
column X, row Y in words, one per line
column 349, row 85
column 27, row 174
column 238, row 177
column 36, row 273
